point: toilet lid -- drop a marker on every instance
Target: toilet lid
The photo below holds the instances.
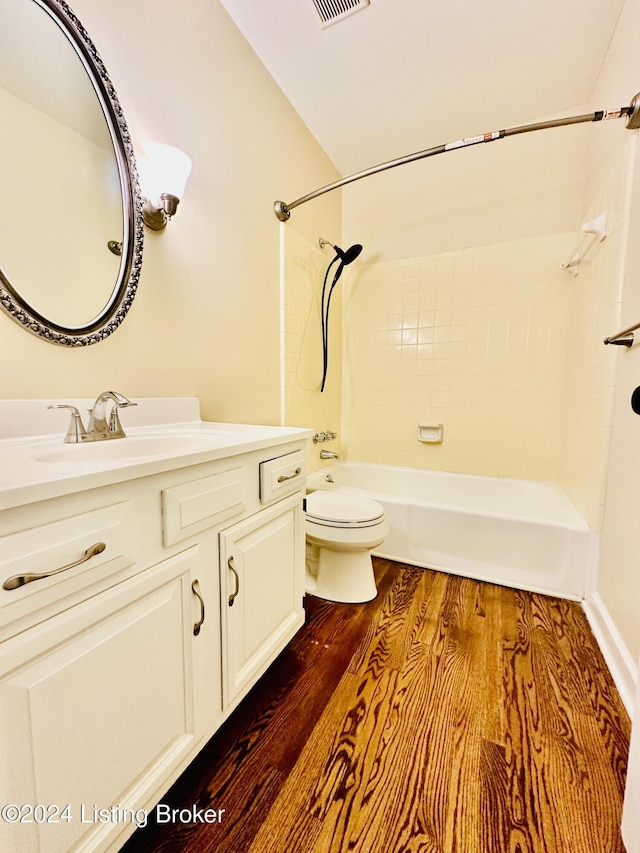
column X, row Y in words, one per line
column 341, row 509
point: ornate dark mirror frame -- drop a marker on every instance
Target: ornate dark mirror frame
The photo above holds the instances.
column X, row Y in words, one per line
column 114, row 312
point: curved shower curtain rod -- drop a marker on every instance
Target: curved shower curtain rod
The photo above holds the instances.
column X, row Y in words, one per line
column 632, row 113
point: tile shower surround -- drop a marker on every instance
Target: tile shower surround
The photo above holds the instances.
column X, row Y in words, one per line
column 498, row 343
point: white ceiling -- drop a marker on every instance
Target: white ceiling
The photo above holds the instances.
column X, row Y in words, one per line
column 403, row 75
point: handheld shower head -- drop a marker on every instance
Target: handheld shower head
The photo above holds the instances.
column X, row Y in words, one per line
column 350, row 255
column 346, row 257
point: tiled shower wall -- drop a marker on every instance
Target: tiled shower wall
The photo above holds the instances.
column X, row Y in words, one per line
column 478, row 340
column 498, row 343
column 597, row 314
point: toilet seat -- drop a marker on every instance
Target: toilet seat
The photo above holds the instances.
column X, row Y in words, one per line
column 343, row 510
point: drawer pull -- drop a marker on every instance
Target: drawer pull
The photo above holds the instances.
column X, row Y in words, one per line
column 195, row 586
column 284, row 477
column 16, row 581
column 233, row 595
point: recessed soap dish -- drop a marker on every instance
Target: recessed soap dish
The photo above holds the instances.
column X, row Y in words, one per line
column 430, row 433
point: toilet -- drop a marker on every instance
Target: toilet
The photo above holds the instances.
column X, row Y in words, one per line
column 342, row 529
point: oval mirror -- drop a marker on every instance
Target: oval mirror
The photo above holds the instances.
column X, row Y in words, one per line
column 71, row 236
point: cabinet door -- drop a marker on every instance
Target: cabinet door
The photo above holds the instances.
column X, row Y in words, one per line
column 262, row 576
column 97, row 711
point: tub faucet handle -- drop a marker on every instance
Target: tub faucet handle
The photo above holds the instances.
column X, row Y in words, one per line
column 329, row 435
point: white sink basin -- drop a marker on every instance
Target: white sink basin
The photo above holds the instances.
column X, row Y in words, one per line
column 164, row 434
column 133, row 447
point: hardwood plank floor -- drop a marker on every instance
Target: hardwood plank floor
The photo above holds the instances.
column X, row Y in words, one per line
column 446, row 716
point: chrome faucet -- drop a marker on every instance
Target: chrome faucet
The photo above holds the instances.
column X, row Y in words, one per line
column 328, row 454
column 98, row 429
column 98, row 426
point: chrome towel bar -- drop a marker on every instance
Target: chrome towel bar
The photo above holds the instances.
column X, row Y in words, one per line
column 623, row 338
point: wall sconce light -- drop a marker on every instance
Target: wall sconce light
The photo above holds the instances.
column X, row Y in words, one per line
column 163, row 174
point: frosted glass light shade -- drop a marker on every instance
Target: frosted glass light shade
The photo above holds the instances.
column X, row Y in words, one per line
column 165, row 171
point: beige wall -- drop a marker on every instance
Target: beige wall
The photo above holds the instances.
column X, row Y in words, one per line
column 503, row 191
column 205, row 321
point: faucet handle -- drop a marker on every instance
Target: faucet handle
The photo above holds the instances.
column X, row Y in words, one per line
column 76, row 431
column 115, row 427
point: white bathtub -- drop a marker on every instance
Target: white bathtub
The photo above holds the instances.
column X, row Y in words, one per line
column 517, row 533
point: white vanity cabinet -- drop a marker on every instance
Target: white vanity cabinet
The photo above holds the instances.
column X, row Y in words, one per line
column 97, row 704
column 261, row 593
column 117, row 670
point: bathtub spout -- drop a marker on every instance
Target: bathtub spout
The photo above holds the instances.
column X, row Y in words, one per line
column 328, row 454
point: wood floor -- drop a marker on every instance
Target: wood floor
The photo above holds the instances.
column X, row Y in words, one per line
column 446, row 716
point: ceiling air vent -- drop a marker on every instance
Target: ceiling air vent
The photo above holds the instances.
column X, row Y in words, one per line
column 332, row 11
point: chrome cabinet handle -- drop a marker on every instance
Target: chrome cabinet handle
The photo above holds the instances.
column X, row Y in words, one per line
column 284, row 477
column 16, row 581
column 233, row 595
column 195, row 586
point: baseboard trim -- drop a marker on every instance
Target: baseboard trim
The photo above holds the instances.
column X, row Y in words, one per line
column 623, row 668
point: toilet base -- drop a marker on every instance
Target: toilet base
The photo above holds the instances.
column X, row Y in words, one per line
column 345, row 577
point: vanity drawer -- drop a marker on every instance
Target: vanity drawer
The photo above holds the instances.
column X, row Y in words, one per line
column 193, row 507
column 48, row 567
column 282, row 476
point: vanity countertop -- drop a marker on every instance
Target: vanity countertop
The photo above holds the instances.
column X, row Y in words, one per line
column 36, row 467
